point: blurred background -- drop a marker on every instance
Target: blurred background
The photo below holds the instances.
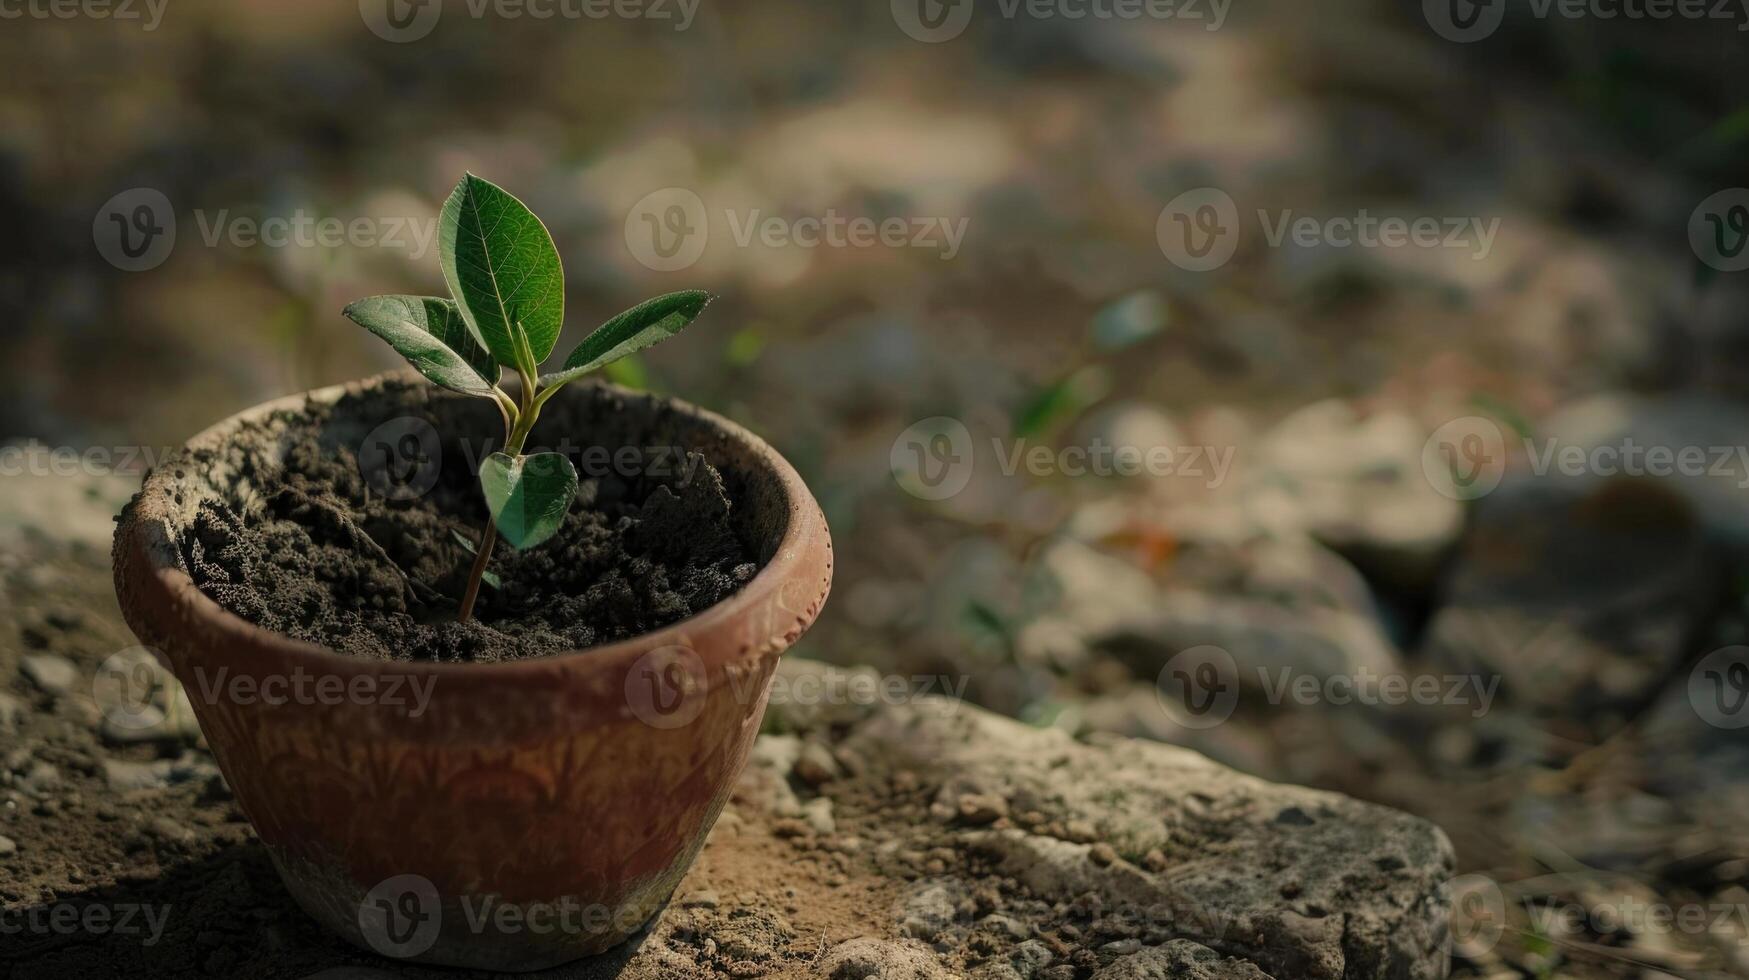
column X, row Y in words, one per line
column 946, row 236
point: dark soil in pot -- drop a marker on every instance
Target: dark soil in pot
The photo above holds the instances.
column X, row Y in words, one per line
column 351, row 524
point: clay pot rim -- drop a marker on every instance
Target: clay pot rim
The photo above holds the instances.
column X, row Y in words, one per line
column 804, row 545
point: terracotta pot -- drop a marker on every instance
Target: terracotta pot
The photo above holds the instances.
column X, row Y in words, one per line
column 532, row 812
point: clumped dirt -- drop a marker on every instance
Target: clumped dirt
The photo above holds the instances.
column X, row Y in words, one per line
column 319, row 555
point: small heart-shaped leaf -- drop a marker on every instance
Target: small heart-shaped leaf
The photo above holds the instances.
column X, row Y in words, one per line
column 644, row 325
column 503, row 270
column 489, row 577
column 430, row 334
column 528, row 495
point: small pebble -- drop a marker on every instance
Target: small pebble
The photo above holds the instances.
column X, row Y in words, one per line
column 818, row 814
column 50, row 672
column 815, row 765
column 1102, row 854
column 702, row 899
column 978, row 809
column 7, row 847
column 168, row 829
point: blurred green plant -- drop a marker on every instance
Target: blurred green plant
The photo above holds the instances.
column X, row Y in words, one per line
column 508, row 307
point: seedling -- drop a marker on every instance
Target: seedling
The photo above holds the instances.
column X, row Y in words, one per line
column 507, row 306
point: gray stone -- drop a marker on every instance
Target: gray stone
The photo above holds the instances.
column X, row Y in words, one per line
column 1181, row 959
column 132, row 724
column 1355, row 482
column 39, row 779
column 815, row 765
column 818, row 816
column 7, row 847
column 1715, row 426
column 928, row 910
column 10, row 710
column 1352, row 916
column 875, row 959
column 50, row 672
column 127, row 777
column 1579, row 596
column 764, row 784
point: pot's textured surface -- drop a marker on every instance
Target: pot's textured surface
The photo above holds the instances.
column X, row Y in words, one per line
column 503, row 816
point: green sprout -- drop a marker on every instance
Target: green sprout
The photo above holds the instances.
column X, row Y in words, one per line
column 508, row 307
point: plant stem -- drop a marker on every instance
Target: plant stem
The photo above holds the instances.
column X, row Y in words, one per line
column 524, row 421
column 482, row 556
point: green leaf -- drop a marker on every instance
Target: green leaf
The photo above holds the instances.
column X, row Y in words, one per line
column 528, row 495
column 489, row 577
column 644, row 325
column 503, row 270
column 430, row 334
column 1063, row 400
